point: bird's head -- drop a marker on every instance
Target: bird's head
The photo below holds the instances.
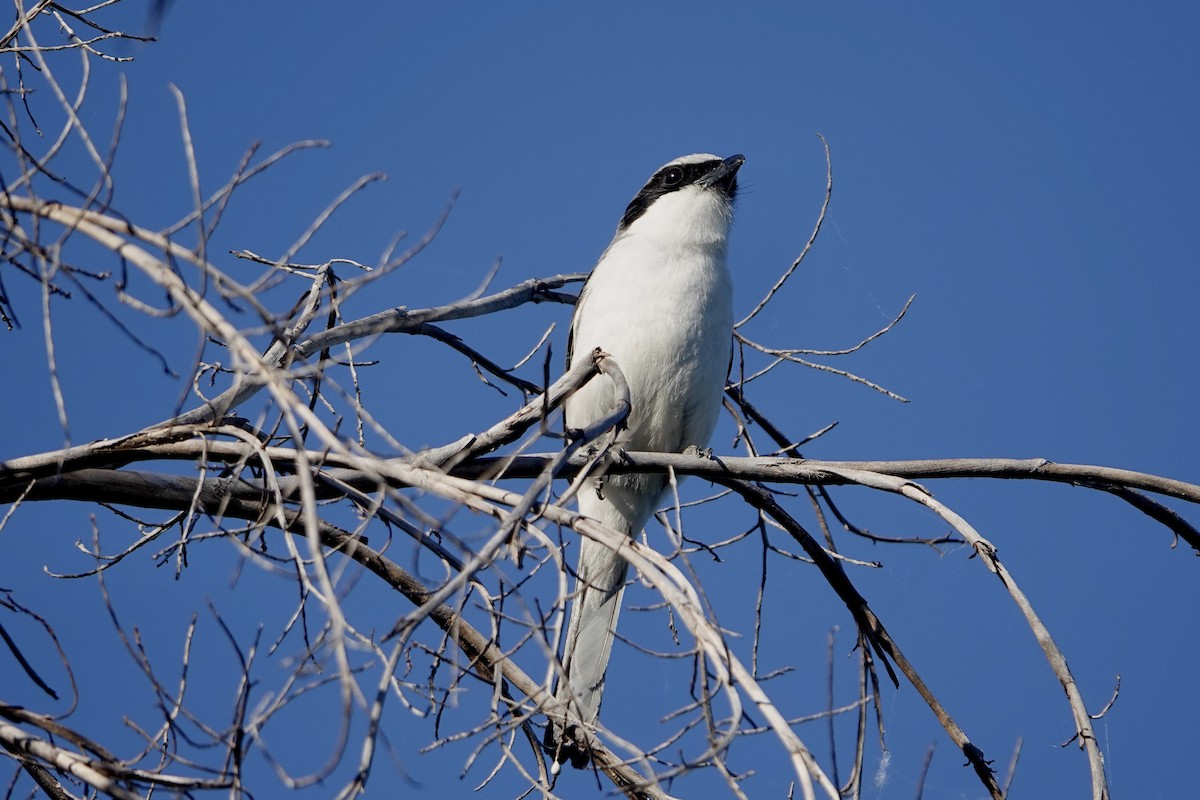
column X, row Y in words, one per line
column 689, row 199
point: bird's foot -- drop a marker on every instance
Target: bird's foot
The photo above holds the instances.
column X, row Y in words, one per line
column 696, row 452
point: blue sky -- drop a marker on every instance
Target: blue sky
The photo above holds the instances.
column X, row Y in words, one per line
column 1029, row 171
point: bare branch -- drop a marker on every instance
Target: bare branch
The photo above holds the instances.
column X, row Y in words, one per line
column 807, row 245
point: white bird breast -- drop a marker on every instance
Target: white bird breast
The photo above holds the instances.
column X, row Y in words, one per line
column 660, row 301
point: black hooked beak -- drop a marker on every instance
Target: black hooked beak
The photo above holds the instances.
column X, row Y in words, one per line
column 724, row 174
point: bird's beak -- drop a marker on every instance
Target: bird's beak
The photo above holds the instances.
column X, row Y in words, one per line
column 724, row 173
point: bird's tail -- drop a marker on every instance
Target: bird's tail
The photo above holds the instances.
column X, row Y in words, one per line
column 595, row 607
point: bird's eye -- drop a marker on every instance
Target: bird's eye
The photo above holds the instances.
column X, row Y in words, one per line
column 672, row 177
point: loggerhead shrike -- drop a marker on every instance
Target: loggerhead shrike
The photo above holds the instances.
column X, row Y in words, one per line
column 660, row 301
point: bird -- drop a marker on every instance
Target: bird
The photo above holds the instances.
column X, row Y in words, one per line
column 660, row 302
